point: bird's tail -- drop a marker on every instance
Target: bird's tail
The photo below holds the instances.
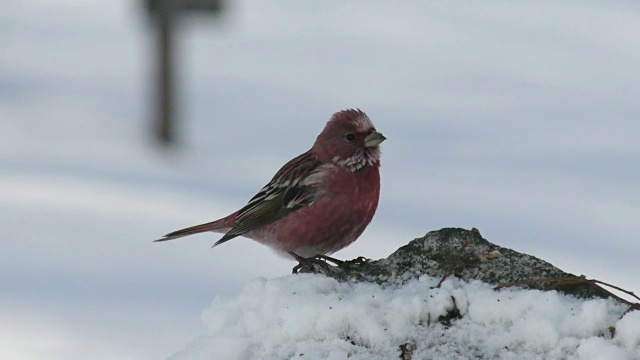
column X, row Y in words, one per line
column 221, row 225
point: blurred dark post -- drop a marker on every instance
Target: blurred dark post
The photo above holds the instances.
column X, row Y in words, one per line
column 165, row 14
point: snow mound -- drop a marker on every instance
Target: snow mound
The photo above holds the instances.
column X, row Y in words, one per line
column 310, row 316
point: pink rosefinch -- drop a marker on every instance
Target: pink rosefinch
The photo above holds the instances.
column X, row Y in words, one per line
column 317, row 203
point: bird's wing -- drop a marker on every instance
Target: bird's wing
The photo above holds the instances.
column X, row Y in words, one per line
column 294, row 186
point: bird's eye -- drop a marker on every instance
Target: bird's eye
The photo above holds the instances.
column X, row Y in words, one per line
column 350, row 137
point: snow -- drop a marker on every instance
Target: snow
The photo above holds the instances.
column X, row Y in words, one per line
column 314, row 317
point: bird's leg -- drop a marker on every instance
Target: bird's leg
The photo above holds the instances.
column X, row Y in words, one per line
column 297, row 257
column 301, row 261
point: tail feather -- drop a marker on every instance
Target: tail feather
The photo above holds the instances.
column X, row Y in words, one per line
column 211, row 226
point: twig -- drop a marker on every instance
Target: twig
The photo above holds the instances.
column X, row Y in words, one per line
column 577, row 280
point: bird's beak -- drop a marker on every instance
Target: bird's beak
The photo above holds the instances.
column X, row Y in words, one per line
column 374, row 139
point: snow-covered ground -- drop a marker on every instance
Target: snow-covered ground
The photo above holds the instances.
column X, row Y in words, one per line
column 518, row 118
column 315, row 317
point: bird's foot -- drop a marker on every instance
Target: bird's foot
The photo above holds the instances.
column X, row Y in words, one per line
column 320, row 260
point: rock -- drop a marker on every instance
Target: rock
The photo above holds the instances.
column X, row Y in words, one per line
column 461, row 253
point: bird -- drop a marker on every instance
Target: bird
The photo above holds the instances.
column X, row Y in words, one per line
column 319, row 202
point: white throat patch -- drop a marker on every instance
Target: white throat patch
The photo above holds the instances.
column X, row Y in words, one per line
column 369, row 157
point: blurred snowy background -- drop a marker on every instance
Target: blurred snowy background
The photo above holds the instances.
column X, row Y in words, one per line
column 518, row 118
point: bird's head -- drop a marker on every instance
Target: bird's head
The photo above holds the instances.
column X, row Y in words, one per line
column 349, row 139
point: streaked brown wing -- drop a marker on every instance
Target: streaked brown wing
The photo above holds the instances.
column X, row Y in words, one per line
column 284, row 194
